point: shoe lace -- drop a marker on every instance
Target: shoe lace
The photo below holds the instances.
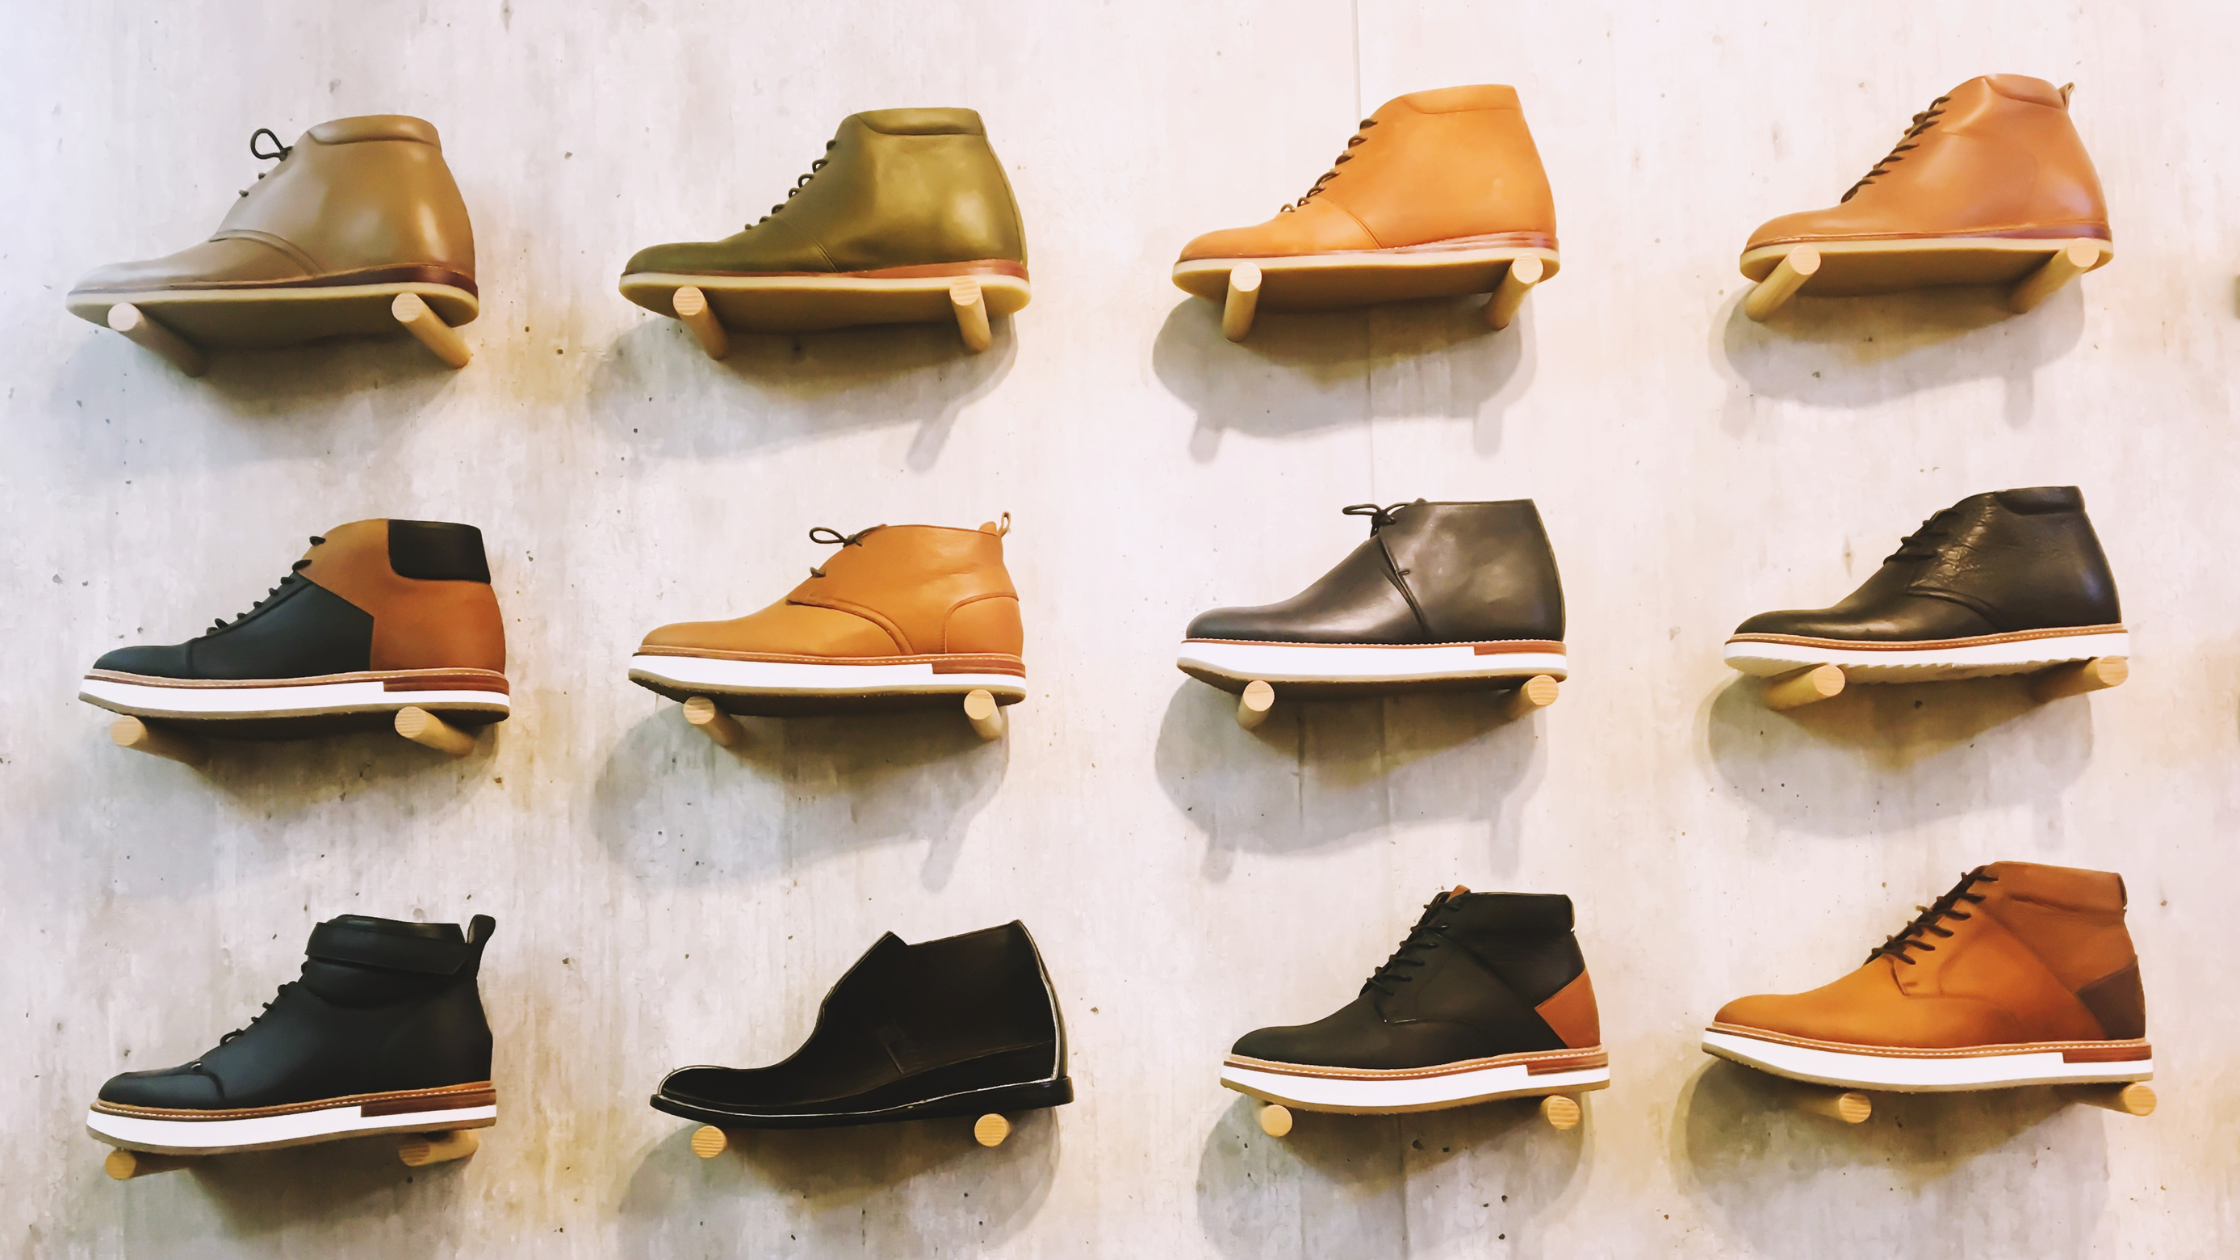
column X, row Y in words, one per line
column 1379, row 517
column 1423, row 938
column 800, row 183
column 1923, row 541
column 294, row 572
column 1910, row 140
column 1359, row 137
column 1916, row 934
column 258, row 1018
column 834, row 538
column 279, row 154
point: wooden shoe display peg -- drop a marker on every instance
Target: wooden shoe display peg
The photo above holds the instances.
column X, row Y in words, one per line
column 2077, row 678
column 708, row 1141
column 2032, row 270
column 1241, row 302
column 417, row 1150
column 966, row 300
column 1856, row 1107
column 409, row 310
column 1561, row 1111
column 429, row 731
column 137, row 735
column 1536, row 693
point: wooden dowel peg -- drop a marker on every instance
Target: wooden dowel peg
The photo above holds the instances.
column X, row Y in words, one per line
column 991, row 1130
column 1561, row 1111
column 1524, row 273
column 1806, row 686
column 132, row 733
column 423, row 1149
column 1275, row 1120
column 709, row 1141
column 123, row 1165
column 2135, row 1099
column 713, row 722
column 986, row 716
column 2073, row 260
column 133, row 322
column 411, row 310
column 1254, row 704
column 971, row 306
column 691, row 306
column 1242, row 303
column 1777, row 288
column 429, row 731
column 1537, row 693
column 1847, row 1105
column 2080, row 678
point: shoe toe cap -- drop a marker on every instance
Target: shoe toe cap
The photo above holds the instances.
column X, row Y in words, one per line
column 180, row 1089
column 1232, row 623
column 1276, row 1045
column 148, row 661
column 1812, row 623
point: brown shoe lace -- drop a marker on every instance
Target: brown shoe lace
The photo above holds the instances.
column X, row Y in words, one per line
column 1921, row 122
column 1359, row 137
column 1946, row 907
column 834, row 538
column 1379, row 517
column 279, row 154
column 800, row 183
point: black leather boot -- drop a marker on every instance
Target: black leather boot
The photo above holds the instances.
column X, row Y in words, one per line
column 1488, row 997
column 964, row 1026
column 1999, row 583
column 383, row 1034
column 1442, row 594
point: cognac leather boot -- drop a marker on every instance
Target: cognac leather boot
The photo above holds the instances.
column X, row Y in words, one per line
column 1999, row 583
column 378, row 615
column 1435, row 196
column 358, row 211
column 1981, row 189
column 1441, row 595
column 900, row 616
column 965, row 1026
column 903, row 203
column 2021, row 975
column 384, row 1033
column 1487, row 997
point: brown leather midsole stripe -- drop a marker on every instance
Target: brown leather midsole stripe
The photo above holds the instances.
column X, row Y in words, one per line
column 447, row 1102
column 1491, row 240
column 1535, row 1063
column 371, row 275
column 467, row 679
column 1494, row 648
column 2057, row 232
column 447, row 682
column 2118, row 1052
column 1576, row 1063
column 396, row 1102
column 918, row 271
column 2100, row 1051
column 993, row 664
column 1926, row 645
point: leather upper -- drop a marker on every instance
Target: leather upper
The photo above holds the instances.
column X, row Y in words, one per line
column 1998, row 157
column 896, row 188
column 2007, row 561
column 1430, row 166
column 1430, row 573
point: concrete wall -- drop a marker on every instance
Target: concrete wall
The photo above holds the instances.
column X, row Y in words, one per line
column 662, row 902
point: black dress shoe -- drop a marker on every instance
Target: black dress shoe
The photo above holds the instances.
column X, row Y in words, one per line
column 1998, row 583
column 383, row 1034
column 959, row 1027
column 1488, row 997
column 1451, row 594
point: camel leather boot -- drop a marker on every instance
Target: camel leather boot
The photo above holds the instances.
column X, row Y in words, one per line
column 1487, row 997
column 1992, row 174
column 377, row 616
column 358, row 211
column 899, row 616
column 2021, row 975
column 1435, row 196
column 903, row 203
column 2000, row 583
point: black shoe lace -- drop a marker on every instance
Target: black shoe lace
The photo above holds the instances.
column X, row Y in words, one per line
column 1924, row 541
column 1359, row 137
column 800, row 183
column 1917, row 932
column 1424, row 937
column 1911, row 140
column 1379, row 517
column 257, row 1018
column 293, row 571
column 834, row 538
column 280, row 154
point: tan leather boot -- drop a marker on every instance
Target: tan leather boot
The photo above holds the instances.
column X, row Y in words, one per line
column 1984, row 186
column 2021, row 975
column 1435, row 196
column 358, row 211
column 900, row 614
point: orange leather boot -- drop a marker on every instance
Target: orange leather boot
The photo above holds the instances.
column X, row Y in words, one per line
column 1985, row 187
column 2021, row 975
column 1437, row 195
column 899, row 615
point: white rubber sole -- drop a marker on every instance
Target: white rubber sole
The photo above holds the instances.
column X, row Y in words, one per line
column 260, row 1133
column 710, row 676
column 279, row 701
column 1368, row 1093
column 1352, row 663
column 1953, row 658
column 1976, row 1068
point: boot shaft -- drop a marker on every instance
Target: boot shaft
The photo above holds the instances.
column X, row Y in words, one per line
column 903, row 187
column 1525, row 943
column 946, row 1001
column 2038, row 940
column 1446, row 164
column 426, row 584
column 357, row 194
column 2023, row 559
column 932, row 588
column 2000, row 150
column 1476, row 572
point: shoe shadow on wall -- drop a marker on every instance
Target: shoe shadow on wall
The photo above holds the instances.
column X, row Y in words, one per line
column 1881, row 759
column 1322, row 774
column 921, row 1188
column 263, row 1197
column 656, row 391
column 1855, row 352
column 1300, row 373
column 674, row 808
column 1470, row 1179
column 2012, row 1172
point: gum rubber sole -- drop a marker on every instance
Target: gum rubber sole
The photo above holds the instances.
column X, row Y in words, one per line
column 809, row 303
column 253, row 319
column 1933, row 1071
column 1336, row 281
column 472, row 1106
column 791, row 688
column 1026, row 1096
column 1364, row 1092
column 284, row 708
column 1858, row 268
column 1341, row 668
column 1986, row 656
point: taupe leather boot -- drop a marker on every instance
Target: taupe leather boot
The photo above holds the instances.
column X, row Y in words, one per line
column 358, row 211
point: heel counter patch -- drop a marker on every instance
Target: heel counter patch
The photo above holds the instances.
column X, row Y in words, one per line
column 1572, row 1014
column 2119, row 1002
column 437, row 551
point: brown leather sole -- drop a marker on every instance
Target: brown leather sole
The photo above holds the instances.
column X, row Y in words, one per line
column 1852, row 268
column 1338, row 281
column 810, row 302
column 246, row 317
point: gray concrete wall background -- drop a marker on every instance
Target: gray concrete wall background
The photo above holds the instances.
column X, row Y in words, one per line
column 663, row 902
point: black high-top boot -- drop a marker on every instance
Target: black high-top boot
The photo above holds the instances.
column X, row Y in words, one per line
column 1450, row 594
column 965, row 1026
column 1998, row 583
column 1488, row 997
column 383, row 1034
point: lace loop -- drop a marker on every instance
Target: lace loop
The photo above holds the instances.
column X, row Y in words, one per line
column 1930, row 921
column 1922, row 543
column 834, row 538
column 281, row 150
column 1423, row 938
column 1909, row 141
column 1379, row 517
column 294, row 570
column 257, row 1018
column 800, row 183
column 1359, row 137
